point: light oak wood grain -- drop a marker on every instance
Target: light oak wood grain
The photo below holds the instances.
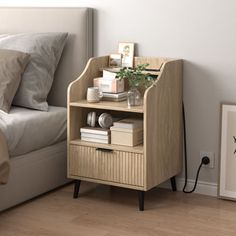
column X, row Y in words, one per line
column 159, row 158
column 105, row 105
column 76, row 117
column 109, row 211
column 135, row 149
column 154, row 62
column 163, row 125
column 113, row 167
column 77, row 89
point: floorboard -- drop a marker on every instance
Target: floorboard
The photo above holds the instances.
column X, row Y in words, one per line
column 108, row 211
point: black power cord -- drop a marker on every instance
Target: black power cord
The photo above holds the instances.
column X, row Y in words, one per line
column 205, row 160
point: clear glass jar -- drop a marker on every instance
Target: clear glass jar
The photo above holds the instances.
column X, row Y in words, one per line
column 134, row 97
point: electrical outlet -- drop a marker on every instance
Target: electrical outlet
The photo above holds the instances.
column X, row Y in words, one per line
column 211, row 156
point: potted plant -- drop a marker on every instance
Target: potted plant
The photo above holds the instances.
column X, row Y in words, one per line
column 137, row 78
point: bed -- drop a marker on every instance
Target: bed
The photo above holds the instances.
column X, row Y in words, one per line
column 39, row 165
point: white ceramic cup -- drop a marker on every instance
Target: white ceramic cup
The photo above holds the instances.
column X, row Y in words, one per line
column 93, row 94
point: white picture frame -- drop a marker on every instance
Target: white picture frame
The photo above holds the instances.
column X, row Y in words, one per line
column 127, row 51
column 227, row 180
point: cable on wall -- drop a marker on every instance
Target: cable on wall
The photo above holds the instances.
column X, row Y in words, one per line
column 205, row 159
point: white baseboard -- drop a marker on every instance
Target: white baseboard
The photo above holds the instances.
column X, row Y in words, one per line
column 205, row 188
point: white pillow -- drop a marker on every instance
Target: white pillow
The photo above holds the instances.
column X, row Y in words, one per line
column 45, row 50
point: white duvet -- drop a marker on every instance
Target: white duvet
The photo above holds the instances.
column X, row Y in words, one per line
column 27, row 130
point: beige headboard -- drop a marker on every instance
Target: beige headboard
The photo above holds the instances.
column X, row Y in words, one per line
column 76, row 21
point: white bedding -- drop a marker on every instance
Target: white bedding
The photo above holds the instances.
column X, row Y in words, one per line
column 27, row 130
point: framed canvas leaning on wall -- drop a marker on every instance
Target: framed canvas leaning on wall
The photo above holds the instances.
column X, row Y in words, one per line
column 227, row 185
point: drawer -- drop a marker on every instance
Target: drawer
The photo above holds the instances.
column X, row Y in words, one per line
column 113, row 166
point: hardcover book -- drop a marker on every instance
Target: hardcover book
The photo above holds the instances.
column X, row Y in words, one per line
column 95, row 136
column 95, row 130
column 94, row 140
column 115, row 97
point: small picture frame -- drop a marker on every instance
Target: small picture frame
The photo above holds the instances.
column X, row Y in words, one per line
column 227, row 185
column 115, row 60
column 127, row 51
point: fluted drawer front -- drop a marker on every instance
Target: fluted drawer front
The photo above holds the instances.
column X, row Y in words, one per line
column 115, row 166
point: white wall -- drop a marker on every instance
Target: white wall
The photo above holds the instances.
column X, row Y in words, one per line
column 201, row 32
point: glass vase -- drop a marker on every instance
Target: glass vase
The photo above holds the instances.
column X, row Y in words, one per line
column 134, row 97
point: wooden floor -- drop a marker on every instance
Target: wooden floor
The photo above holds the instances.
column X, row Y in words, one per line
column 109, row 211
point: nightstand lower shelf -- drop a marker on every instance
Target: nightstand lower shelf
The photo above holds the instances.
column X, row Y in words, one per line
column 136, row 149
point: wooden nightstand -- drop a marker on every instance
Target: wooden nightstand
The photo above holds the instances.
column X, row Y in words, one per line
column 141, row 167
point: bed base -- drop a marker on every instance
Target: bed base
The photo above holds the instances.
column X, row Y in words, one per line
column 34, row 174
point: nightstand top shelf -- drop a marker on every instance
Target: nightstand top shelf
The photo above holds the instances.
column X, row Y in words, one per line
column 105, row 105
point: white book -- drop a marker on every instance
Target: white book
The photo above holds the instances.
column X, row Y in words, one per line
column 115, row 95
column 128, row 123
column 94, row 140
column 97, row 136
column 109, row 75
column 114, row 99
column 95, row 130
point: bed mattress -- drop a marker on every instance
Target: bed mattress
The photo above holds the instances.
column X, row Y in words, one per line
column 27, row 130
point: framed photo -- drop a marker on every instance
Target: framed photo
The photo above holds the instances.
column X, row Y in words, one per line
column 227, row 185
column 115, row 60
column 127, row 51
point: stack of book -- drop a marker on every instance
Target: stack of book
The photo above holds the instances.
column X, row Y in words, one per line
column 111, row 87
column 127, row 132
column 95, row 134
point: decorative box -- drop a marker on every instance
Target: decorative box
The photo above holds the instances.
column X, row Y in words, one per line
column 126, row 137
column 109, row 85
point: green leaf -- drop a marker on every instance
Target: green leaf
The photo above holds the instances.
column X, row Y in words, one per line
column 136, row 76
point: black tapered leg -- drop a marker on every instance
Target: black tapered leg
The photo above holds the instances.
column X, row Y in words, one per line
column 141, row 200
column 76, row 188
column 173, row 183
